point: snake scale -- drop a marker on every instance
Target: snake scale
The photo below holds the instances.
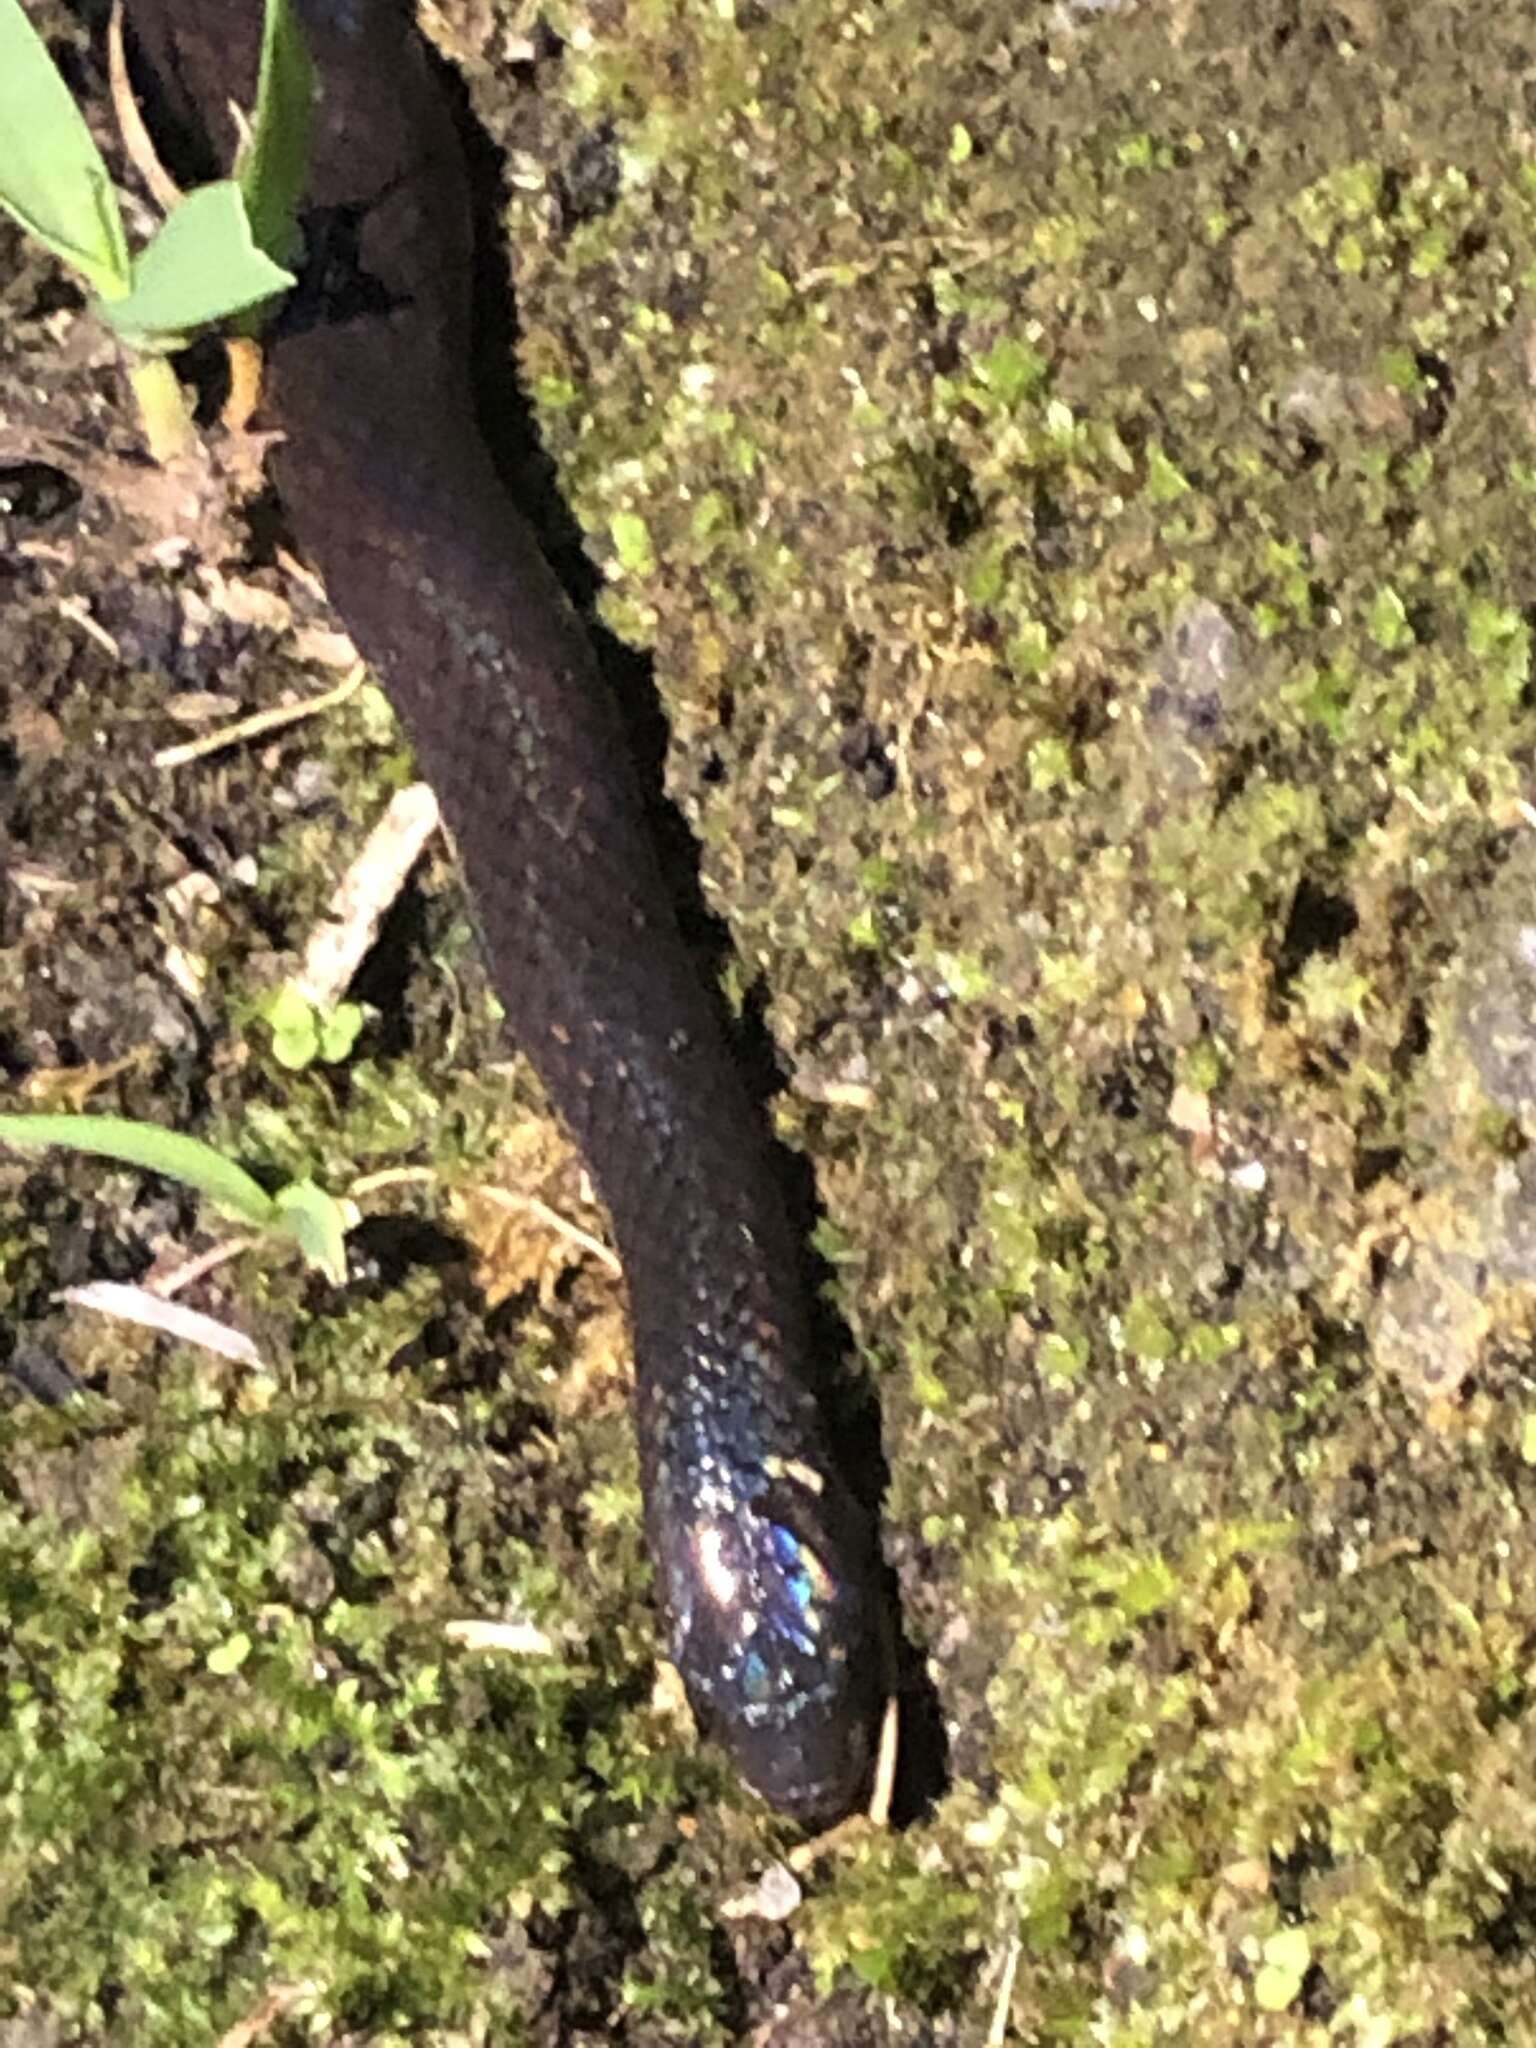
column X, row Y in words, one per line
column 767, row 1563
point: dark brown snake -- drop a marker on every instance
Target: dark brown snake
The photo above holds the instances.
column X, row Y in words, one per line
column 766, row 1562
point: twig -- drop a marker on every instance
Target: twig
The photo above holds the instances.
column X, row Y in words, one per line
column 878, row 1812
column 532, row 1206
column 997, row 2033
column 141, row 151
column 301, row 573
column 260, row 723
column 885, row 1765
column 191, row 1270
column 78, row 613
column 341, row 941
column 519, row 1638
column 392, row 1177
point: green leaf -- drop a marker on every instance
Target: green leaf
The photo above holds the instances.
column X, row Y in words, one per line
column 632, row 539
column 1287, row 1958
column 302, row 1034
column 317, row 1223
column 339, row 1031
column 226, row 1658
column 188, row 1160
column 1274, row 1989
column 295, row 1038
column 273, row 170
column 1166, row 482
column 1388, row 621
column 202, row 267
column 52, row 177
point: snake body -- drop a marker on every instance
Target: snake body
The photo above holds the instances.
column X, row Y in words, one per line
column 766, row 1562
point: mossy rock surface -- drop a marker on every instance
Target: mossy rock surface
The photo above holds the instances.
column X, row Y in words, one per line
column 1073, row 467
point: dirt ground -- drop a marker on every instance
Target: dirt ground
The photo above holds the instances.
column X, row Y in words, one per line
column 1072, row 469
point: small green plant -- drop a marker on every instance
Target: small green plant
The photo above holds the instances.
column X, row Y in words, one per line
column 304, row 1032
column 300, row 1214
column 223, row 250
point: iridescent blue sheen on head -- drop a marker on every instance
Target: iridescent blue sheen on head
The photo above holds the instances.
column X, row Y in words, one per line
column 769, row 1571
column 797, row 1618
column 756, row 1680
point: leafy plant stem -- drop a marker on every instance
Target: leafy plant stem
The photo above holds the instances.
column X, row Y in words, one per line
column 162, row 404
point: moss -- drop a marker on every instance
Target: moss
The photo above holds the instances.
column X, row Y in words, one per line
column 233, row 1713
column 1162, row 563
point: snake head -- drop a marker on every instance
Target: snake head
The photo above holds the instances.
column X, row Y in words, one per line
column 777, row 1629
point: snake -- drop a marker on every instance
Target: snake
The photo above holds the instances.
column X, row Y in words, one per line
column 765, row 1556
